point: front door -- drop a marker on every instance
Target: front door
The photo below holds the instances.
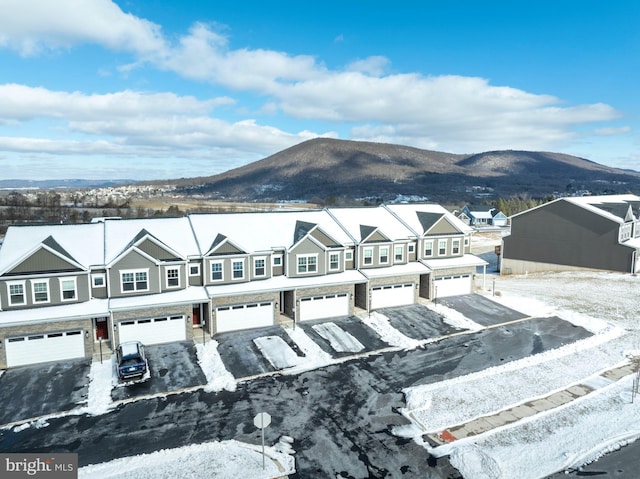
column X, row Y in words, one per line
column 196, row 315
column 102, row 329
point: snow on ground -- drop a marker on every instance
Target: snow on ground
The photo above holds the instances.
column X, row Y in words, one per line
column 224, row 460
column 218, row 377
column 341, row 341
column 563, row 437
column 454, row 318
column 278, row 352
column 101, row 377
column 314, row 356
column 390, row 335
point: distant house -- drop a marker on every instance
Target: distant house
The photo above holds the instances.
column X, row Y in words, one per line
column 485, row 215
column 581, row 233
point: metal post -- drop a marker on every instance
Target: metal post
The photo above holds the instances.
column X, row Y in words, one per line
column 203, row 325
column 100, row 339
column 262, row 429
column 494, row 287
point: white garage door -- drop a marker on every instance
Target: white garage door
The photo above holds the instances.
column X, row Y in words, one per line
column 153, row 331
column 328, row 306
column 392, row 295
column 244, row 316
column 452, row 285
column 39, row 348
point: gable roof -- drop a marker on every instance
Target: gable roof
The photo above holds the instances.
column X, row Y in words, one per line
column 421, row 218
column 360, row 223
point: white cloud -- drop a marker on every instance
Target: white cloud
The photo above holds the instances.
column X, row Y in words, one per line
column 31, row 26
column 612, row 131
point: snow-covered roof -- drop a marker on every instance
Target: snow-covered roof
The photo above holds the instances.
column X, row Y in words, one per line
column 457, row 262
column 595, row 204
column 87, row 309
column 390, row 226
column 396, row 270
column 409, row 214
column 82, row 242
column 175, row 233
column 261, row 231
column 280, row 283
column 191, row 294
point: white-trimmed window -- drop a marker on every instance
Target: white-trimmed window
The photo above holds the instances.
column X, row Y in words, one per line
column 455, row 246
column 98, row 280
column 367, row 256
column 68, row 289
column 216, row 271
column 398, row 254
column 411, row 248
column 442, row 247
column 466, row 241
column 348, row 255
column 307, row 263
column 334, row 261
column 383, row 254
column 194, row 269
column 277, row 260
column 237, row 269
column 428, row 248
column 16, row 293
column 173, row 277
column 134, row 280
column 259, row 267
column 40, row 290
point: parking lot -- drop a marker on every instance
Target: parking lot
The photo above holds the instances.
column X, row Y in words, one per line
column 52, row 387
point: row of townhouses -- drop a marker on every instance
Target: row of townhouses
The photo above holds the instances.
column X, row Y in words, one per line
column 67, row 290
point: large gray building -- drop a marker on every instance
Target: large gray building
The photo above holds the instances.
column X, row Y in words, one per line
column 582, row 233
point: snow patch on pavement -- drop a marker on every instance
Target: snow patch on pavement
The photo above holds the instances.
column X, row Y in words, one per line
column 314, row 356
column 454, row 318
column 218, row 377
column 101, row 377
column 390, row 335
column 226, row 459
column 278, row 352
column 341, row 341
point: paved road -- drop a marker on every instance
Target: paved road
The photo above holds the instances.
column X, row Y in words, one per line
column 341, row 416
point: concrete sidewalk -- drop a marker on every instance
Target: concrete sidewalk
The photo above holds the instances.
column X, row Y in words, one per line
column 507, row 416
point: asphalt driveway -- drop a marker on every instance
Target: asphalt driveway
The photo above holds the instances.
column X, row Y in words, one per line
column 481, row 309
column 32, row 391
column 418, row 322
column 173, row 366
column 241, row 356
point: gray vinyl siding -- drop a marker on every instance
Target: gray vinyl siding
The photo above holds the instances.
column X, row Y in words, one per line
column 55, row 293
column 565, row 234
column 227, row 248
column 448, row 250
column 156, row 251
column 376, row 255
column 442, row 227
column 182, row 277
column 323, row 238
column 376, row 237
column 306, row 247
column 195, row 280
column 227, row 269
column 134, row 261
column 43, row 261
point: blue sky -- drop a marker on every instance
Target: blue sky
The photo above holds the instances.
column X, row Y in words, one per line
column 153, row 89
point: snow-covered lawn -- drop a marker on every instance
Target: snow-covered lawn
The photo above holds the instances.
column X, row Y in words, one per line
column 224, row 460
column 563, row 437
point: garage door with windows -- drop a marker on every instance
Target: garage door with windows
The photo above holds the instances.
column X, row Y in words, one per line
column 153, row 331
column 326, row 306
column 40, row 348
column 244, row 316
column 452, row 285
column 392, row 295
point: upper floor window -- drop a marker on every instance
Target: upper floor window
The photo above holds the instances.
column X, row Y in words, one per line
column 40, row 291
column 216, row 271
column 412, row 248
column 173, row 277
column 428, row 248
column 368, row 256
column 466, row 241
column 277, row 260
column 194, row 269
column 398, row 254
column 68, row 289
column 98, row 280
column 307, row 263
column 238, row 269
column 455, row 248
column 442, row 247
column 16, row 293
column 334, row 261
column 134, row 280
column 259, row 268
column 384, row 254
column 348, row 255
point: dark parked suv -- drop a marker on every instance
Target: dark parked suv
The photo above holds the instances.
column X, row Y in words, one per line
column 132, row 362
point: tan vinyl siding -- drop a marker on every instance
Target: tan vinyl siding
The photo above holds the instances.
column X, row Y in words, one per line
column 156, row 251
column 43, row 261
